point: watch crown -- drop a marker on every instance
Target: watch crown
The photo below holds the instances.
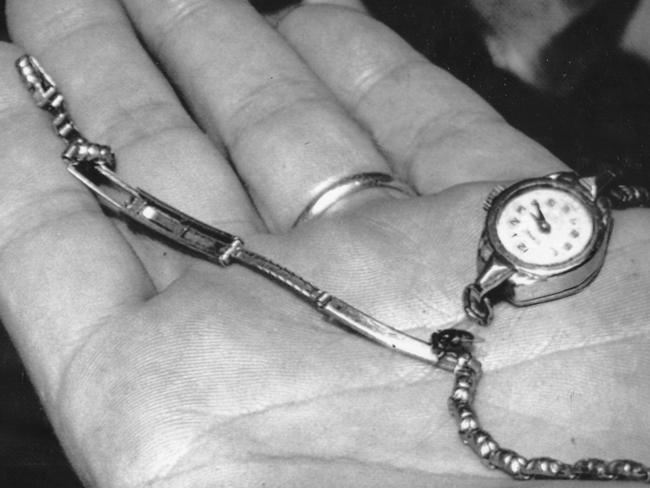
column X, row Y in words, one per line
column 491, row 196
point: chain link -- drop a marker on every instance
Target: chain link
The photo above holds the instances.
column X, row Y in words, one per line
column 628, row 196
column 93, row 165
column 467, row 375
column 478, row 306
column 614, row 184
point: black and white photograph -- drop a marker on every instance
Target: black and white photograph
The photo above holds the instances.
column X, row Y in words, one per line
column 324, row 243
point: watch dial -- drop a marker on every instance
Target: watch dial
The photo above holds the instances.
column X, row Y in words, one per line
column 545, row 226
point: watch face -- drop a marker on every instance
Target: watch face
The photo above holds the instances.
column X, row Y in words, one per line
column 545, row 226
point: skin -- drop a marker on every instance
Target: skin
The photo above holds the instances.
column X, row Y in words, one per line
column 160, row 370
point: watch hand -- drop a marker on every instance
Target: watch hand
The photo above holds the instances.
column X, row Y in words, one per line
column 541, row 221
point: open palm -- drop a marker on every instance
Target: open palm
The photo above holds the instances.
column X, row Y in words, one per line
column 161, row 370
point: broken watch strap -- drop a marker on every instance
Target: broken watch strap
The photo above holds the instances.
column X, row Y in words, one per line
column 449, row 349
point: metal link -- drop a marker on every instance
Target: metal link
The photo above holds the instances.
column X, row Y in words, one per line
column 466, row 378
column 93, row 165
column 511, row 462
column 82, row 151
column 47, row 97
column 592, row 469
column 626, row 196
column 544, row 467
column 629, row 470
column 279, row 274
column 477, row 306
column 614, row 183
column 40, row 85
column 482, row 444
column 343, row 313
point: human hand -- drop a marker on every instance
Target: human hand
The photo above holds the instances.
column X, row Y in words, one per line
column 158, row 368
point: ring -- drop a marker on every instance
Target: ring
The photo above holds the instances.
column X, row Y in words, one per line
column 348, row 186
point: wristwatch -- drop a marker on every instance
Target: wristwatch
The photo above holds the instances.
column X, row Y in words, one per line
column 544, row 238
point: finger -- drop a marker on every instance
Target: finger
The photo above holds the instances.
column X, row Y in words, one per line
column 435, row 131
column 64, row 267
column 285, row 132
column 118, row 97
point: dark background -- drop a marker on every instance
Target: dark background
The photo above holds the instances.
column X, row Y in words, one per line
column 3, row 28
column 596, row 116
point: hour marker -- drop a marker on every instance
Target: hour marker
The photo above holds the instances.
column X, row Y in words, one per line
column 550, row 202
column 521, row 209
column 515, row 221
column 532, row 237
column 568, row 246
column 566, row 209
column 575, row 234
column 522, row 247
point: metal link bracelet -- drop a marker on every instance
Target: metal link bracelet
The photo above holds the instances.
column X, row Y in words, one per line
column 449, row 349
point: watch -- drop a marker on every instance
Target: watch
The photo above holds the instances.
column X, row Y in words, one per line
column 544, row 238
